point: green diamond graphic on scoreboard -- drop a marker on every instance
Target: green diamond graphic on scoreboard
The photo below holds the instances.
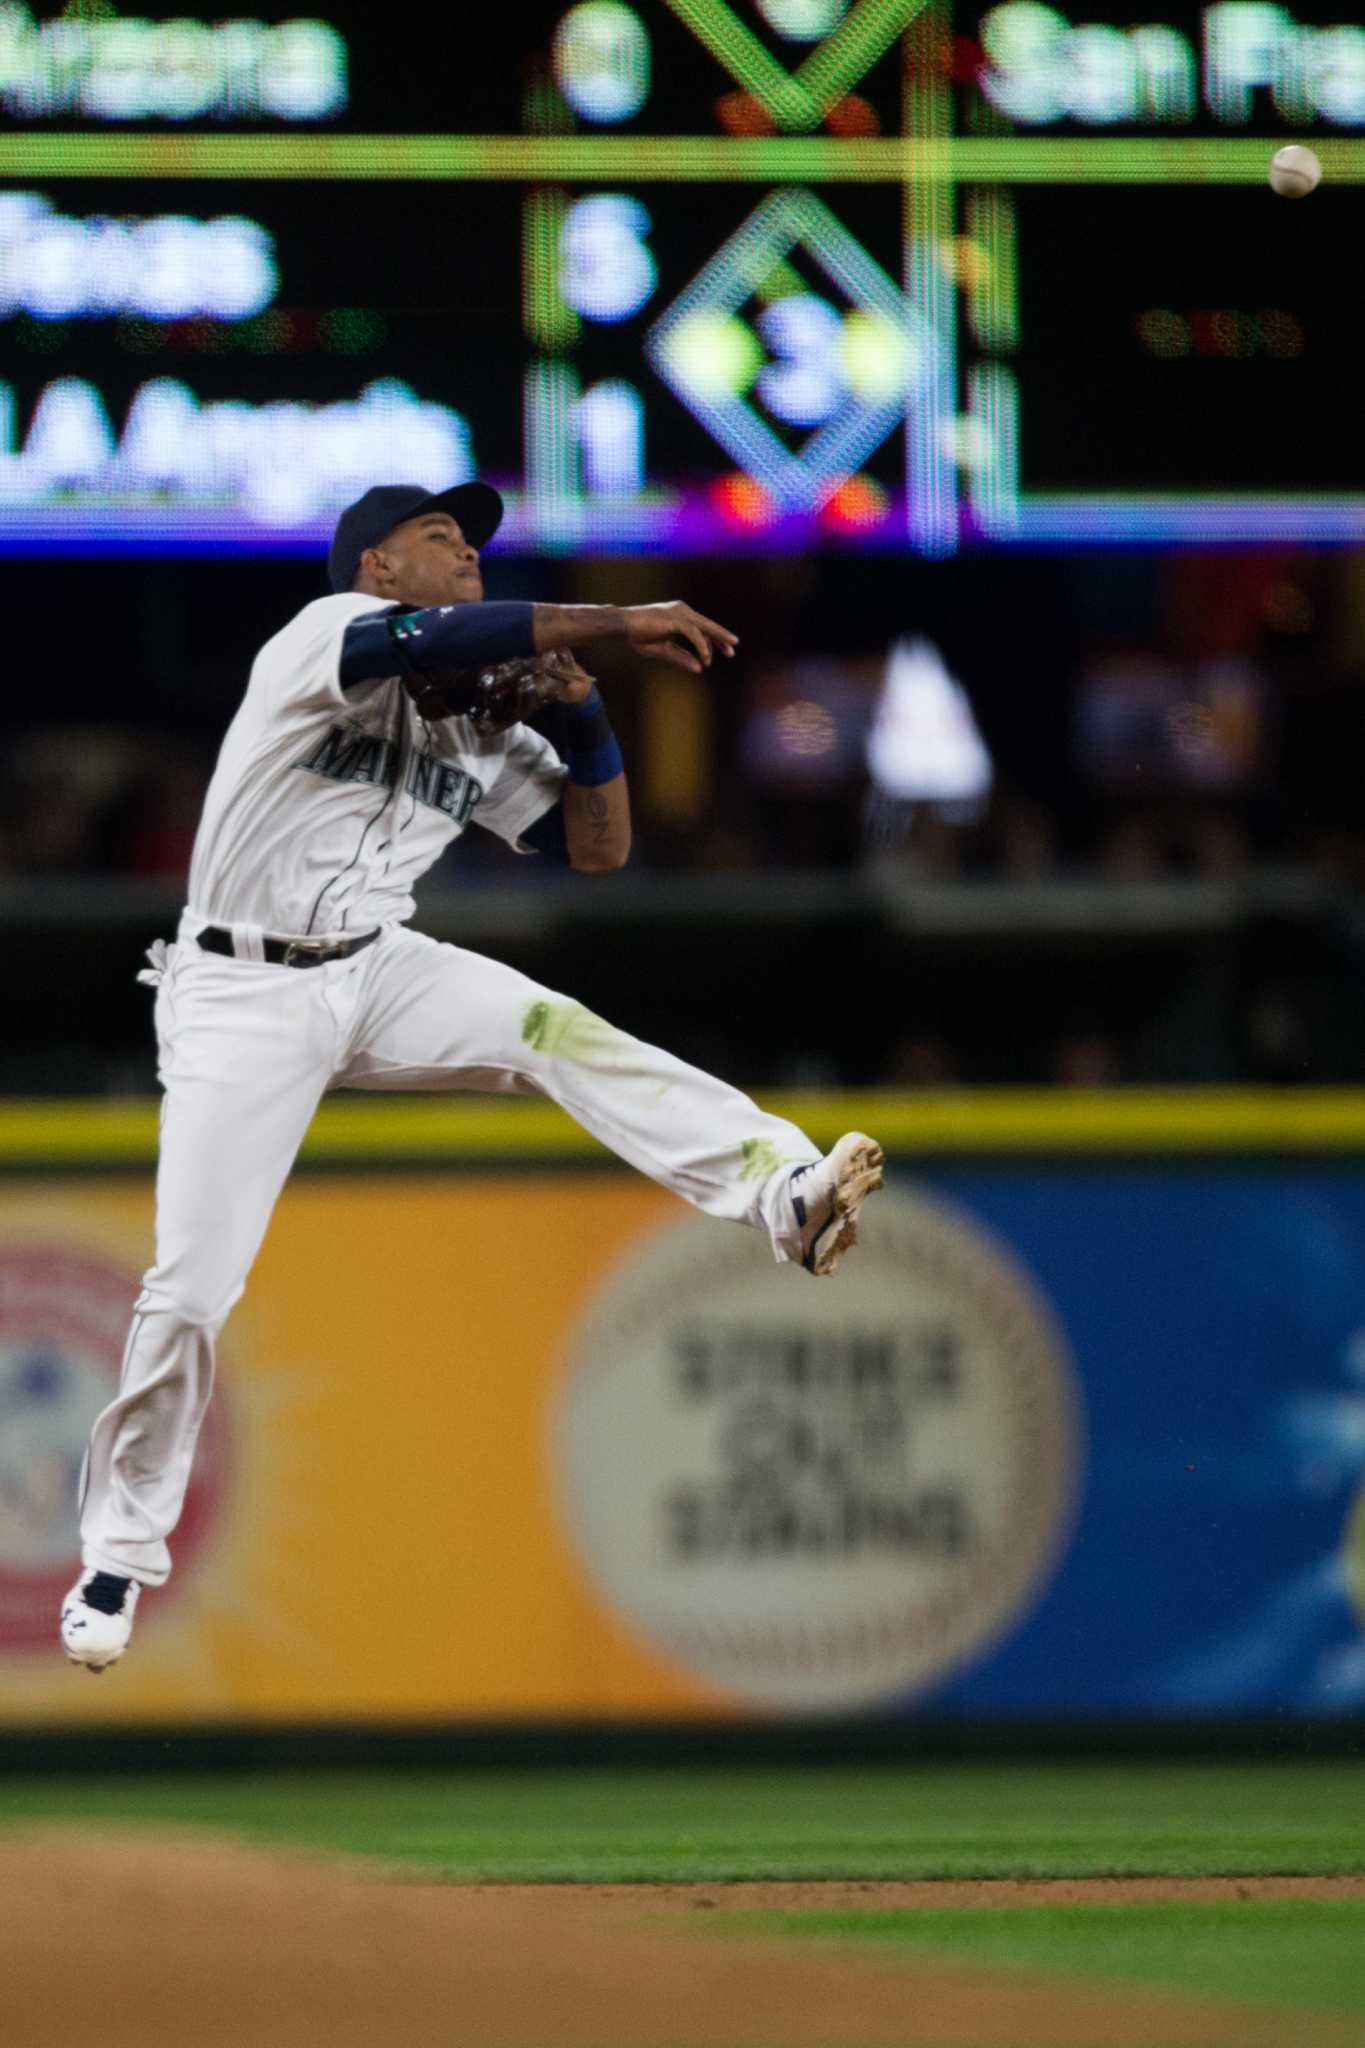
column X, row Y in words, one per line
column 800, row 98
column 856, row 374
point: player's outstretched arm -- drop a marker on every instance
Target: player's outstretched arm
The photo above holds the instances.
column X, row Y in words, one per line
column 672, row 632
column 434, row 638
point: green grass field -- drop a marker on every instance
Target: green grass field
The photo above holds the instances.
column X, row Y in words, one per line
column 1302, row 1955
column 646, row 1826
column 949, row 1822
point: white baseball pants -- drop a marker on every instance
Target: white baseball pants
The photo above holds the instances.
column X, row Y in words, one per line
column 247, row 1050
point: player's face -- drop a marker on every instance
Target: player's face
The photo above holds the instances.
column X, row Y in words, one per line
column 431, row 562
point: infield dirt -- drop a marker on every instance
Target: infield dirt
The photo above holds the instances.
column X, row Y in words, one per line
column 148, row 1941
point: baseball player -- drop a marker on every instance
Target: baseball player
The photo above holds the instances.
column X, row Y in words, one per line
column 376, row 726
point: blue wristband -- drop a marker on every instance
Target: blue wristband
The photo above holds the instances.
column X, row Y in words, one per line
column 601, row 764
column 588, row 744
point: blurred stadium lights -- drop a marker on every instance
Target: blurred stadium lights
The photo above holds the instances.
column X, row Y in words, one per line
column 803, row 21
column 924, row 744
column 601, row 61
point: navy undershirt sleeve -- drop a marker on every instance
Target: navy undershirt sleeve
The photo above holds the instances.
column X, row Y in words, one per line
column 547, row 835
column 396, row 642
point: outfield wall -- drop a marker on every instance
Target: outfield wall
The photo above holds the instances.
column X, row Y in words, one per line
column 506, row 1435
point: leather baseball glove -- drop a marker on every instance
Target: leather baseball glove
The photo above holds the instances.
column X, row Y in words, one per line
column 493, row 698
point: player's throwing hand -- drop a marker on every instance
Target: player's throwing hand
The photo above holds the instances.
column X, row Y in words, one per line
column 672, row 632
column 677, row 634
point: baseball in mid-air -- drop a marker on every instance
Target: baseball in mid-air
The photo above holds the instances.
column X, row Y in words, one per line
column 1294, row 171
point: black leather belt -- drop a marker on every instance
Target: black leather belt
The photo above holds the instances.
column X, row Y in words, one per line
column 288, row 952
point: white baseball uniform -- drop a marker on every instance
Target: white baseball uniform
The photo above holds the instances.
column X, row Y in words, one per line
column 325, row 807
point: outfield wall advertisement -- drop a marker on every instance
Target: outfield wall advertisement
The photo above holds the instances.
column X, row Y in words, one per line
column 1083, row 1436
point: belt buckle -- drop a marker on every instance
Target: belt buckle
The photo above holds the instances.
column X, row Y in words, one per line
column 311, row 952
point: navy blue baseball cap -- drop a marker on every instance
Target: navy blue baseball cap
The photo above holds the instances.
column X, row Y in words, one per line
column 476, row 507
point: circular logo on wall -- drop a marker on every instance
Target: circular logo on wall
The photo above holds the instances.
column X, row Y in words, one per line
column 821, row 1496
column 64, row 1316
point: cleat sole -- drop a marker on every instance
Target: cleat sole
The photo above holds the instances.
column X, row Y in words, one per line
column 861, row 1174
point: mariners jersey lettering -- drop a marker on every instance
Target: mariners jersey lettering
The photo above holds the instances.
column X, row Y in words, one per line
column 328, row 804
column 351, row 757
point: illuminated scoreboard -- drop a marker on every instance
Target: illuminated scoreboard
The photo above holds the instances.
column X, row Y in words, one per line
column 686, row 275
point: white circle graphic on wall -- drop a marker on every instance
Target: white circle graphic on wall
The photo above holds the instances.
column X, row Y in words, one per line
column 820, row 1495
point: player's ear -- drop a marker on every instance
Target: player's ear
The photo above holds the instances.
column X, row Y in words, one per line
column 374, row 568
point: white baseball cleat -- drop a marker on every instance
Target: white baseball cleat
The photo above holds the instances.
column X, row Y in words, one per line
column 827, row 1195
column 97, row 1619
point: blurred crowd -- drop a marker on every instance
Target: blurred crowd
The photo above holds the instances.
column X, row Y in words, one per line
column 99, row 801
column 1150, row 722
column 1207, row 719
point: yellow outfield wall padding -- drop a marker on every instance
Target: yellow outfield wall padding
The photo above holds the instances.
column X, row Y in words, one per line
column 379, row 1427
column 478, row 1129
